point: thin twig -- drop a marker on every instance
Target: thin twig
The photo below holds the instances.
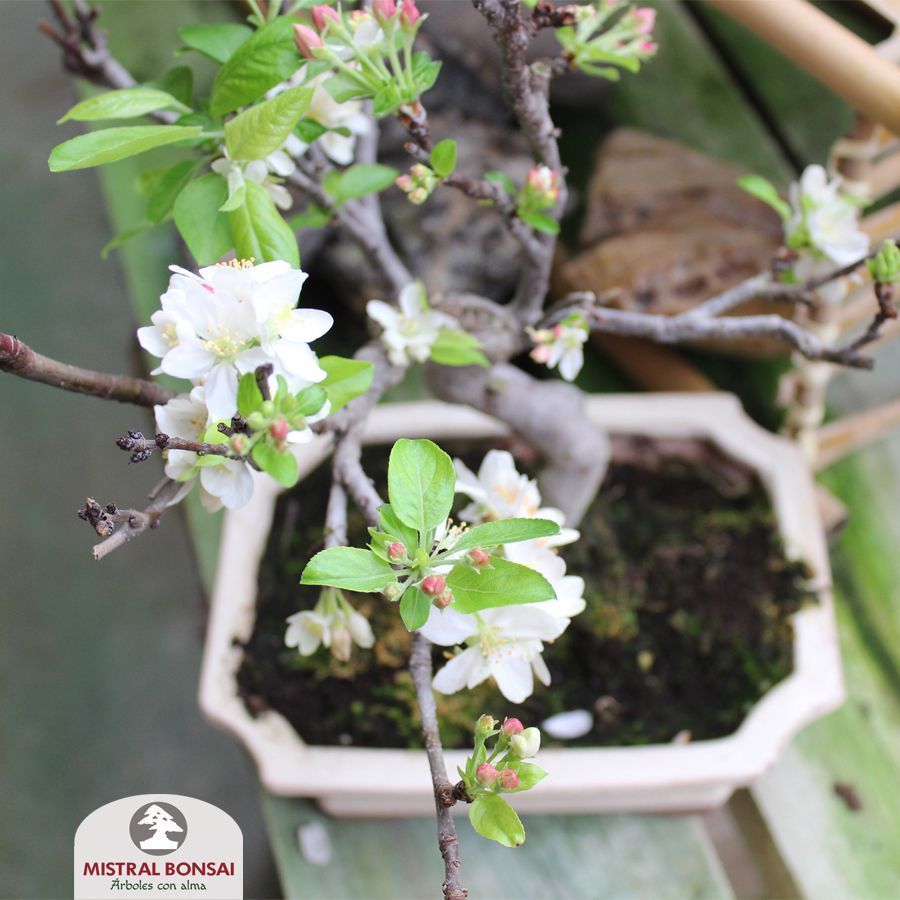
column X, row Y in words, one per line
column 336, row 516
column 448, row 841
column 19, row 359
column 131, row 522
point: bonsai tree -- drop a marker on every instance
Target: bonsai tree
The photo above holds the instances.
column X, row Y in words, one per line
column 288, row 139
column 160, row 823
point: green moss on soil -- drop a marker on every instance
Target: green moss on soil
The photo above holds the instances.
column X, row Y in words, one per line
column 688, row 620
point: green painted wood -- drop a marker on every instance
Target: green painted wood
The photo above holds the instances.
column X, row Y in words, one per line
column 564, row 857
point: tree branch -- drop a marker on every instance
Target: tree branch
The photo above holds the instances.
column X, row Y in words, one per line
column 124, row 525
column 448, row 841
column 19, row 359
column 336, row 516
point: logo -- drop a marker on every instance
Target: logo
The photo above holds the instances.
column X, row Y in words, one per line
column 159, row 845
column 151, row 826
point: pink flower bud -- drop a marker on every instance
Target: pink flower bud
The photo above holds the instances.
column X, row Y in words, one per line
column 307, row 40
column 404, row 182
column 409, row 13
column 479, row 558
column 321, row 15
column 485, row 725
column 487, row 774
column 279, row 430
column 433, row 585
column 384, row 9
column 444, row 599
column 508, row 779
column 541, row 354
column 392, row 592
column 418, row 196
column 396, row 551
column 649, row 47
column 644, row 19
column 558, row 331
column 512, row 726
column 238, row 443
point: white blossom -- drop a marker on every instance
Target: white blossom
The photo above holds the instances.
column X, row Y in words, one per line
column 499, row 491
column 504, row 643
column 333, row 623
column 278, row 163
column 824, row 220
column 223, row 482
column 409, row 332
column 562, row 346
column 230, row 319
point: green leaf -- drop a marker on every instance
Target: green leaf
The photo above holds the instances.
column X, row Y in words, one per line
column 259, row 231
column 179, row 82
column 764, row 190
column 309, row 130
column 249, row 396
column 343, row 87
column 421, row 482
column 123, row 237
column 539, row 221
column 391, row 525
column 196, row 212
column 360, row 180
column 492, row 817
column 347, row 378
column 529, row 775
column 350, row 568
column 312, row 217
column 263, row 129
column 457, row 348
column 414, row 608
column 127, row 103
column 387, row 100
column 505, row 531
column 310, row 400
column 424, row 71
column 218, row 42
column 264, row 60
column 502, row 179
column 504, row 584
column 167, row 187
column 112, row 144
column 443, row 158
column 280, row 464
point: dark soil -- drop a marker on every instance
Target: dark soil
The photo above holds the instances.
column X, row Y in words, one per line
column 688, row 619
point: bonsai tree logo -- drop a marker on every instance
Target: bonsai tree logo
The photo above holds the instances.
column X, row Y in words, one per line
column 151, row 826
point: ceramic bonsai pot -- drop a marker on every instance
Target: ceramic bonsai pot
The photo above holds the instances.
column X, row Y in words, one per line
column 351, row 781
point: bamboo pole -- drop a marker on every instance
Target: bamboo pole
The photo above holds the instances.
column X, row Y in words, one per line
column 842, row 437
column 836, row 57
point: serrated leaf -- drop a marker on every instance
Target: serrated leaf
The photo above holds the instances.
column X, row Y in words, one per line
column 309, row 130
column 263, row 129
column 504, row 584
column 196, row 212
column 350, row 568
column 127, row 103
column 167, row 187
column 391, row 525
column 258, row 230
column 280, row 464
column 421, row 483
column 347, row 379
column 311, row 400
column 424, row 71
column 219, row 42
column 387, row 100
column 415, row 606
column 343, row 88
column 179, row 82
column 505, row 531
column 539, row 221
column 259, row 63
column 454, row 347
column 443, row 158
column 764, row 190
column 97, row 148
column 249, row 396
column 492, row 817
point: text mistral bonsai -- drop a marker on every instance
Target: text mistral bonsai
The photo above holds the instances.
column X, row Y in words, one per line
column 290, row 128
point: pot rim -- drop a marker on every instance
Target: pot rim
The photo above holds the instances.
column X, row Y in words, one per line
column 290, row 767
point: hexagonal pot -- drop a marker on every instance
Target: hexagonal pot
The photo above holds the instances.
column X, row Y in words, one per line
column 354, row 781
